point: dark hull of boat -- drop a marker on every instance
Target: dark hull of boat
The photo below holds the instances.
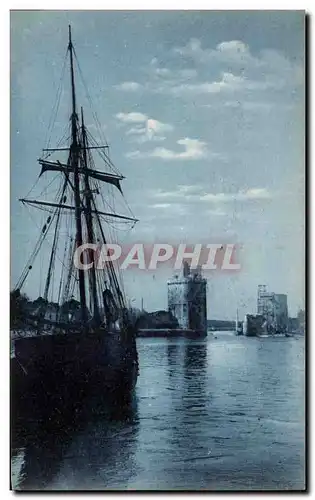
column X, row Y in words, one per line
column 59, row 373
column 253, row 325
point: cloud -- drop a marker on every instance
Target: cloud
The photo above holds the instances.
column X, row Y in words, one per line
column 197, row 193
column 136, row 131
column 157, row 77
column 183, row 191
column 156, row 70
column 189, row 189
column 154, row 126
column 161, row 205
column 250, row 194
column 165, row 72
column 172, row 208
column 228, row 83
column 268, row 64
column 194, row 149
column 231, row 52
column 131, row 117
column 129, row 86
column 233, row 47
column 149, row 129
column 173, row 74
column 239, row 70
column 141, row 139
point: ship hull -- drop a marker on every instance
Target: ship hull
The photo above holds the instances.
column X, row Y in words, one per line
column 253, row 325
column 59, row 373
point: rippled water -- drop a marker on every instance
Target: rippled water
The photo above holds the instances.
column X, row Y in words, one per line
column 223, row 413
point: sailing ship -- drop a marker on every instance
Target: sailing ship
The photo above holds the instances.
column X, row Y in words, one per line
column 82, row 342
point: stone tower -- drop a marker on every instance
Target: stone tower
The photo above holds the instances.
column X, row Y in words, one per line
column 187, row 299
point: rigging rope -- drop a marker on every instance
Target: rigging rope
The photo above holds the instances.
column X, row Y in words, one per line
column 56, row 105
column 97, row 122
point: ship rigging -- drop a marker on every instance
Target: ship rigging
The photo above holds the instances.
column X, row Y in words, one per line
column 100, row 292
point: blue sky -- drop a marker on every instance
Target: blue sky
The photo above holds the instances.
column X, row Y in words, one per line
column 204, row 114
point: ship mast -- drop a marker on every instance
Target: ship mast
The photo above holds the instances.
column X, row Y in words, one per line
column 89, row 221
column 74, row 163
column 78, row 170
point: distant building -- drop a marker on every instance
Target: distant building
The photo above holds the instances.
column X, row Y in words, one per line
column 301, row 321
column 293, row 325
column 187, row 299
column 281, row 312
column 266, row 307
column 273, row 307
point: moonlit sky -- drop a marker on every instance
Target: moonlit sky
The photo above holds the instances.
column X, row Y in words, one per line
column 204, row 114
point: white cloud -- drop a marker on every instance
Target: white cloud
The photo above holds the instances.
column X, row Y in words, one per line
column 183, row 191
column 155, row 126
column 240, row 70
column 257, row 193
column 172, row 208
column 165, row 72
column 189, row 189
column 132, row 117
column 141, row 139
column 194, row 149
column 234, row 46
column 156, row 70
column 228, row 83
column 136, row 131
column 173, row 75
column 129, row 86
column 197, row 193
column 149, row 129
column 271, row 64
column 250, row 194
column 234, row 51
column 157, row 75
column 161, row 205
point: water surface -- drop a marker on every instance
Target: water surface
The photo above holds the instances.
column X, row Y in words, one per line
column 225, row 413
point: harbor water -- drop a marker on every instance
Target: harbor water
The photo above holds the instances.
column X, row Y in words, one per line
column 224, row 413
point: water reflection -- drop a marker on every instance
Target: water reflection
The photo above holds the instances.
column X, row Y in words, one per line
column 221, row 413
column 173, row 355
column 73, row 455
column 36, row 453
